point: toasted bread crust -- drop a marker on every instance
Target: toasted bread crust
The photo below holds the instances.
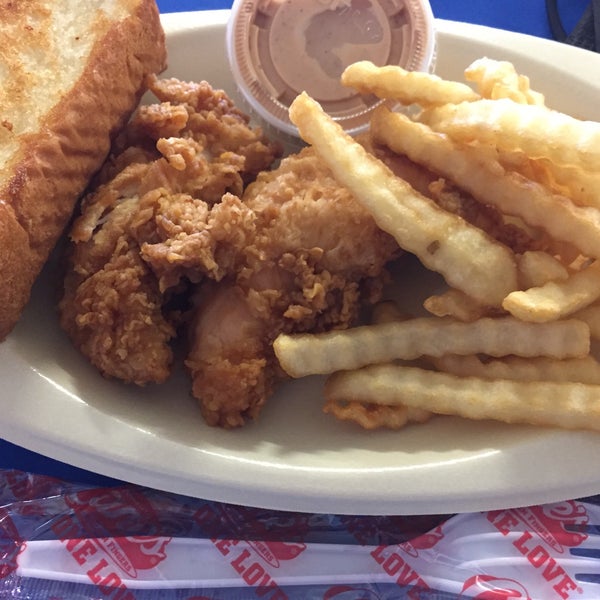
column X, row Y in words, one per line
column 54, row 164
column 16, row 265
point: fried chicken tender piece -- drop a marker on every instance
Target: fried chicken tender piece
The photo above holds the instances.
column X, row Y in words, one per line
column 172, row 214
column 111, row 306
column 316, row 256
column 196, row 110
column 150, row 210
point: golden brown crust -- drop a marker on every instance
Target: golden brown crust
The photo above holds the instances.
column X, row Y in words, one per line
column 54, row 165
column 16, row 266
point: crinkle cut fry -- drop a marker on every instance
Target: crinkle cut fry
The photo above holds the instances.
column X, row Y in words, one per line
column 555, row 404
column 371, row 415
column 499, row 79
column 392, row 82
column 591, row 316
column 310, row 354
column 580, row 185
column 535, row 130
column 440, row 240
column 538, row 267
column 556, row 299
column 488, row 182
column 537, row 368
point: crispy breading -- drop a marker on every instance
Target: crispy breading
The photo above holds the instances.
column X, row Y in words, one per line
column 146, row 226
column 188, row 210
column 315, row 258
column 111, row 307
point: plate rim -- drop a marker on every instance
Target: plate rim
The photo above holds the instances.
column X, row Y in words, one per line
column 250, row 488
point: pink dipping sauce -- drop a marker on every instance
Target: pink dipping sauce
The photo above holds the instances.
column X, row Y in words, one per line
column 279, row 48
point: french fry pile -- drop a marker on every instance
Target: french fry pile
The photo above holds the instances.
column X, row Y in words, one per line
column 510, row 339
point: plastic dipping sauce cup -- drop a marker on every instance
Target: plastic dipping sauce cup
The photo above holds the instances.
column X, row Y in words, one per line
column 279, row 48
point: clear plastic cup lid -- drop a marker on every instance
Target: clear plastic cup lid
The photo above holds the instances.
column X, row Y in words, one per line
column 279, row 48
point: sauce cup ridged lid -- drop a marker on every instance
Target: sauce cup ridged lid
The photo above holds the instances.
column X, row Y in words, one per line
column 279, row 48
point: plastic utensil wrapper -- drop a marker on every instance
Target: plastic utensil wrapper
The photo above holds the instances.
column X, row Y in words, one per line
column 129, row 542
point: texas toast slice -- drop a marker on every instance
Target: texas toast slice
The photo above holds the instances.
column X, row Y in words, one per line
column 71, row 73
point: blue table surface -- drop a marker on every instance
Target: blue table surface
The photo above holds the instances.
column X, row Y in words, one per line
column 523, row 16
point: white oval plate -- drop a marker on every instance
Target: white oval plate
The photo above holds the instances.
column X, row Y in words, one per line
column 295, row 457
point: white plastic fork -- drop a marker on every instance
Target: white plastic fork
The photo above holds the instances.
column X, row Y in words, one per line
column 189, row 562
column 193, row 562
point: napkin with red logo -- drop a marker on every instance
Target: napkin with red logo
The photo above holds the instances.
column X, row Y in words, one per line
column 60, row 540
